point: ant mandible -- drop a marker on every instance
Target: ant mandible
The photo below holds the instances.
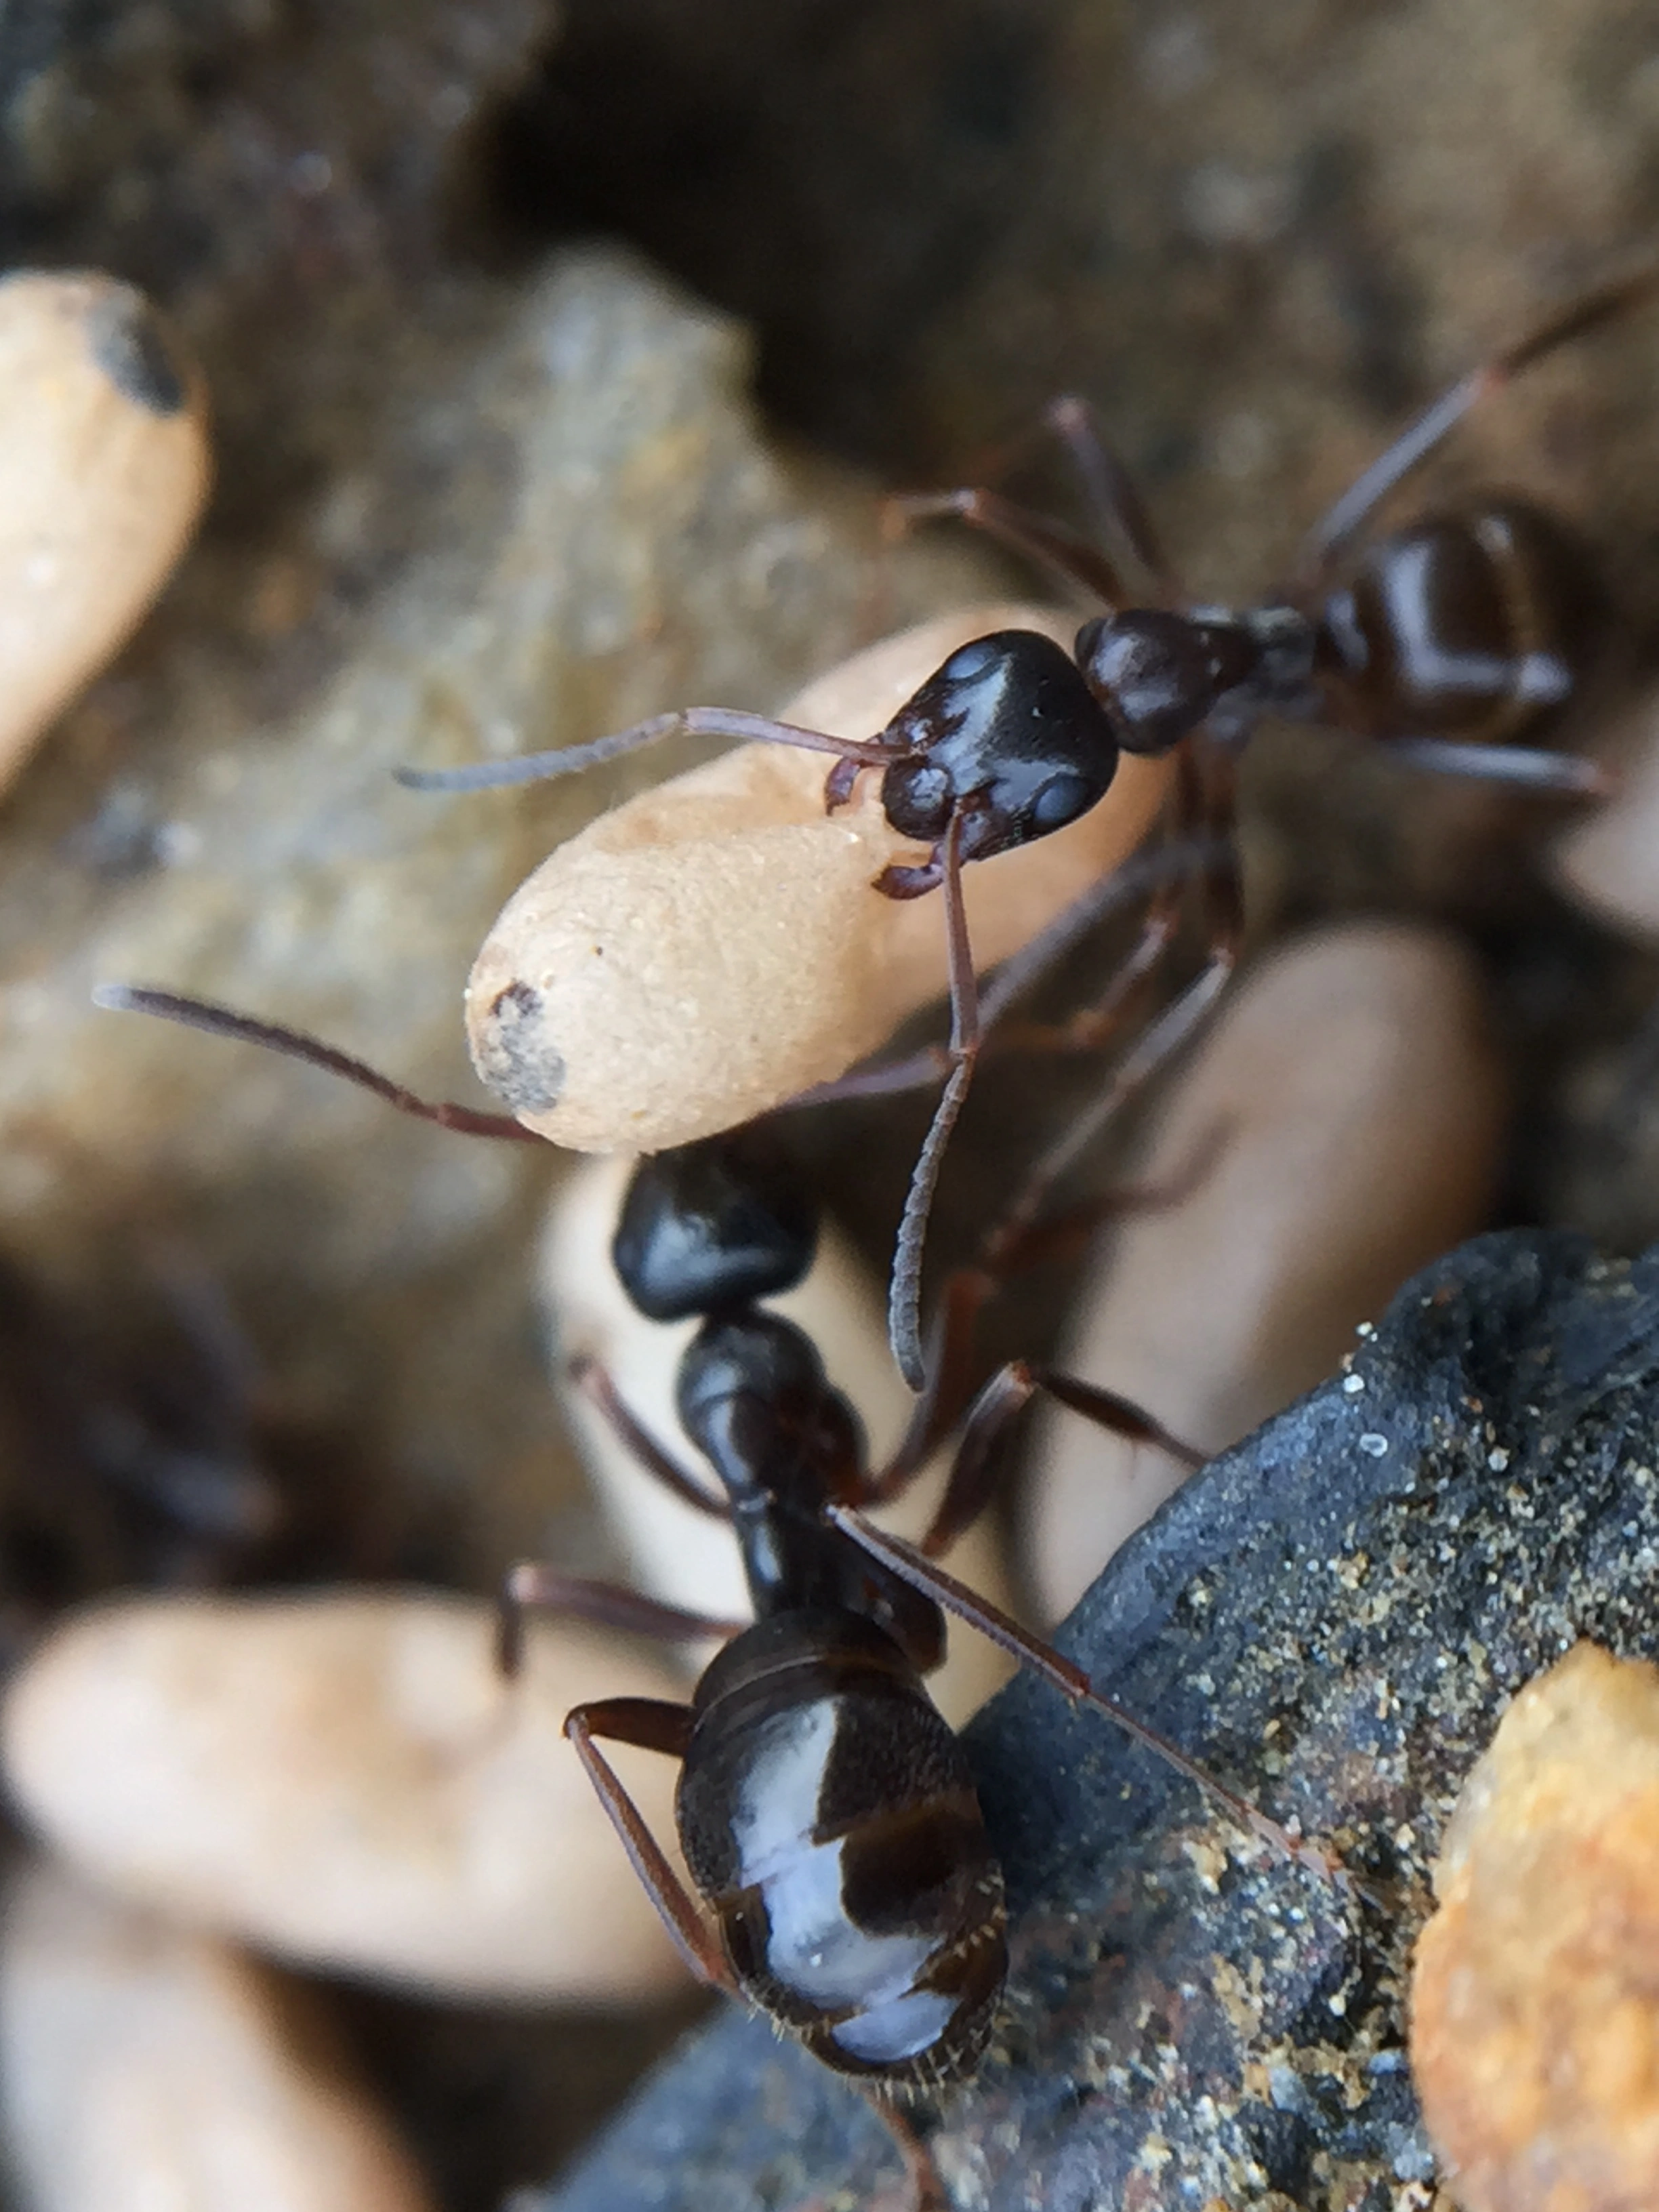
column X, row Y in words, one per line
column 826, row 1812
column 1450, row 641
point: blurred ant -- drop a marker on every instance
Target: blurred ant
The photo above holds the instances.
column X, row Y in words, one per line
column 1450, row 641
column 826, row 1812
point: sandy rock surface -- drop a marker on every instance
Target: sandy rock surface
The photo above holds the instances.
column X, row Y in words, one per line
column 345, row 1780
column 1534, row 2025
column 144, row 2065
column 1338, row 1126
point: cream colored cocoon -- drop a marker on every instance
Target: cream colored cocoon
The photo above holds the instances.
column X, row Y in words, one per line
column 707, row 950
column 1339, row 1126
column 145, row 2067
column 1608, row 860
column 345, row 1780
column 104, row 468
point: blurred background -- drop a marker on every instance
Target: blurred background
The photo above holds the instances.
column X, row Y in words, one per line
column 558, row 357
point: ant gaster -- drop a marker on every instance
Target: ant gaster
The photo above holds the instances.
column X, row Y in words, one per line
column 1451, row 640
column 826, row 1813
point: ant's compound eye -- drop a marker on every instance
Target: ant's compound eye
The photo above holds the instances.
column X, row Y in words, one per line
column 1152, row 673
column 1060, row 800
column 917, row 796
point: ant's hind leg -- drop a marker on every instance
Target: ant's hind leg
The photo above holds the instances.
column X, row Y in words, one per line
column 1032, row 1651
column 648, row 1724
column 1516, row 765
column 1337, row 528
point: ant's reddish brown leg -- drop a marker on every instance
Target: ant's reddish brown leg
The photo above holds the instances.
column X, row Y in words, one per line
column 974, row 1468
column 1213, row 796
column 950, row 1355
column 531, row 1587
column 928, row 2191
column 594, row 1382
column 648, row 1724
column 1338, row 527
column 1168, row 868
column 1065, row 554
column 926, row 1576
column 1518, row 765
column 1113, row 494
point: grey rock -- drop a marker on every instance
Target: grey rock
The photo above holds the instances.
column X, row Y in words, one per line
column 1331, row 1617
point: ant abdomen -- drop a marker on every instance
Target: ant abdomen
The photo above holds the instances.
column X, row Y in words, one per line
column 1481, row 625
column 829, row 1817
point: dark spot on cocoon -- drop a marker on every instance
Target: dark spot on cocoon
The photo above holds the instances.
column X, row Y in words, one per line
column 512, row 1056
column 129, row 345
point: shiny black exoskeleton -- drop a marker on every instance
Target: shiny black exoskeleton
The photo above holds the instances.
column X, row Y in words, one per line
column 825, row 1808
column 1478, row 628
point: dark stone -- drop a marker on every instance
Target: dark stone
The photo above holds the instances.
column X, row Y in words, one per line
column 1333, row 1617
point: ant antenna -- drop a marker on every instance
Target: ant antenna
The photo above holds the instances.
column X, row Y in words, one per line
column 293, row 1044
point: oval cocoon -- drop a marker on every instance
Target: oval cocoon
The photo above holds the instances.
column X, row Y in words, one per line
column 715, row 946
column 104, row 468
column 346, row 1780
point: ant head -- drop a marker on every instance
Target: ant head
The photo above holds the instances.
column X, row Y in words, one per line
column 1157, row 675
column 1004, row 733
column 713, row 1225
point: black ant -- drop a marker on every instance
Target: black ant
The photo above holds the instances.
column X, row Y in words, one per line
column 825, row 1810
column 1451, row 641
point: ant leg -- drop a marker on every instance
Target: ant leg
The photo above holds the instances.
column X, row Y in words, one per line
column 293, row 1044
column 1023, row 970
column 925, row 1575
column 1337, row 526
column 648, row 1724
column 689, row 721
column 966, row 1293
column 531, row 1587
column 904, row 1291
column 1173, row 1028
column 595, row 1381
column 1511, row 764
column 1064, row 552
column 974, row 1468
column 928, row 2191
column 1122, row 513
column 1091, row 1026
